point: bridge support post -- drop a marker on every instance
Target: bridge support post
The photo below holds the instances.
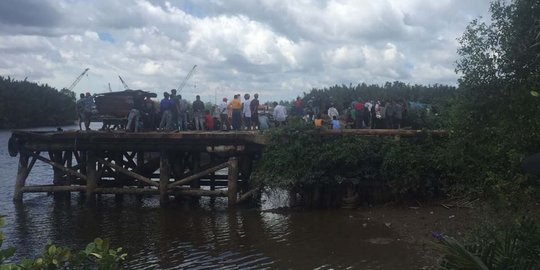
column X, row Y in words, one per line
column 91, row 175
column 22, row 173
column 164, row 177
column 232, row 183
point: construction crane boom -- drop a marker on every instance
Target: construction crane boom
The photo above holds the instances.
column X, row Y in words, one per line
column 123, row 83
column 70, row 88
column 186, row 78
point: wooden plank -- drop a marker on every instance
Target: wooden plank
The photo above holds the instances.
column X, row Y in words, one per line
column 247, row 195
column 198, row 175
column 232, row 187
column 152, row 191
column 200, row 192
column 128, row 172
column 59, row 166
column 125, row 190
column 52, row 188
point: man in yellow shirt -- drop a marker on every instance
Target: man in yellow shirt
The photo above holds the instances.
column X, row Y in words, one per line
column 236, row 106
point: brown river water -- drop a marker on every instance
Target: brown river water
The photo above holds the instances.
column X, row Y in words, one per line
column 208, row 236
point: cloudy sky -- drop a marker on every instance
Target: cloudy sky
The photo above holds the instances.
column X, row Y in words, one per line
column 277, row 48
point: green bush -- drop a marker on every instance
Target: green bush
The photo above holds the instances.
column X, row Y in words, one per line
column 298, row 156
column 514, row 246
column 96, row 255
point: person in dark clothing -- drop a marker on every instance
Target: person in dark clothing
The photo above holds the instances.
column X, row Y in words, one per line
column 148, row 114
column 165, row 109
column 367, row 116
column 174, row 109
column 80, row 110
column 88, row 103
column 373, row 117
column 359, row 113
column 135, row 115
column 389, row 115
column 198, row 113
column 254, row 106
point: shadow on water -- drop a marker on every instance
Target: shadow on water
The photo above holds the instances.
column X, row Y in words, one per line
column 207, row 236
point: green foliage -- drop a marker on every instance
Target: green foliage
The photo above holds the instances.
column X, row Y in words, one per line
column 27, row 104
column 516, row 246
column 298, row 157
column 7, row 252
column 96, row 255
column 494, row 119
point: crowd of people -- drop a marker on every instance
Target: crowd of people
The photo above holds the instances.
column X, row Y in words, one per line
column 173, row 113
column 356, row 115
column 370, row 114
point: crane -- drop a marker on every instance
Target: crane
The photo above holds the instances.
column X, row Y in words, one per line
column 123, row 83
column 77, row 80
column 186, row 78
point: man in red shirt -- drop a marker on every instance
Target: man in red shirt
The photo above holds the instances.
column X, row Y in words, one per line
column 209, row 120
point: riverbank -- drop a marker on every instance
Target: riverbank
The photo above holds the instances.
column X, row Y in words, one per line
column 414, row 225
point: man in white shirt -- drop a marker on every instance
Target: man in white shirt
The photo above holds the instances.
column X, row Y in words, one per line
column 280, row 114
column 332, row 111
column 223, row 115
column 246, row 111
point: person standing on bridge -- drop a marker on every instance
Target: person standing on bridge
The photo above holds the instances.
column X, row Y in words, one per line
column 332, row 111
column 198, row 113
column 80, row 110
column 165, row 109
column 182, row 107
column 87, row 110
column 174, row 109
column 236, row 107
column 246, row 111
column 254, row 107
column 223, row 115
column 280, row 114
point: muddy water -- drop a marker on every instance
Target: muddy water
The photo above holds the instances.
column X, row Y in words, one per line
column 204, row 237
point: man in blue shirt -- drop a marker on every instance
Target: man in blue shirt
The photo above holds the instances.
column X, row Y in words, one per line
column 165, row 108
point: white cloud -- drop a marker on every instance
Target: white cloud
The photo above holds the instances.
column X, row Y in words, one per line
column 276, row 48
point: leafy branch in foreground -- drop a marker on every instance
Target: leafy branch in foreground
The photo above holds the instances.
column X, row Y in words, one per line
column 96, row 255
column 512, row 247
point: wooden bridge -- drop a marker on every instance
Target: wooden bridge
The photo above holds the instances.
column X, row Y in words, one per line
column 192, row 163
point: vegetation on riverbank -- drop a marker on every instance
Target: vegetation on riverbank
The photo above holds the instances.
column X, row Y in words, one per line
column 96, row 255
column 300, row 160
column 27, row 104
column 510, row 246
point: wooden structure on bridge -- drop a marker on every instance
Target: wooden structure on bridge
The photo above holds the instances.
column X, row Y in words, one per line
column 190, row 163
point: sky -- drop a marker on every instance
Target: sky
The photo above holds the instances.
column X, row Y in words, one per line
column 276, row 48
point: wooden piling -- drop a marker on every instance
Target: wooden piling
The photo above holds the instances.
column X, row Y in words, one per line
column 164, row 177
column 232, row 181
column 196, row 156
column 212, row 174
column 91, row 175
column 22, row 174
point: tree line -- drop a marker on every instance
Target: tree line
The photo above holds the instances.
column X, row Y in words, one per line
column 28, row 104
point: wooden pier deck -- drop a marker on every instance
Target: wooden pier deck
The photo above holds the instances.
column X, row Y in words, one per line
column 165, row 164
